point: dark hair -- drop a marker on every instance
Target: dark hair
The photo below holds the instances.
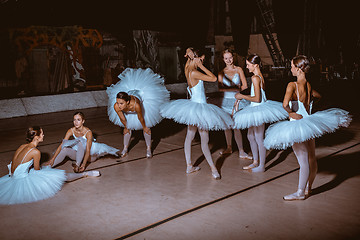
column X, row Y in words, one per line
column 81, row 114
column 123, row 96
column 302, row 62
column 254, row 59
column 31, row 132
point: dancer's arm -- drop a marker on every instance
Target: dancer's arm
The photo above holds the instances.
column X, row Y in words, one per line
column 257, row 90
column 290, row 89
column 89, row 137
column 67, row 136
column 122, row 118
column 138, row 110
column 242, row 78
column 208, row 76
column 36, row 157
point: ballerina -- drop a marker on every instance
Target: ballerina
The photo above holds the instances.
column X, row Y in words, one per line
column 24, row 184
column 255, row 115
column 231, row 79
column 302, row 129
column 196, row 112
column 82, row 148
column 134, row 103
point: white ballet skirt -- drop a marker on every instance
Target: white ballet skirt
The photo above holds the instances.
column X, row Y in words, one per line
column 145, row 85
column 196, row 111
column 256, row 114
column 25, row 186
column 284, row 134
column 97, row 150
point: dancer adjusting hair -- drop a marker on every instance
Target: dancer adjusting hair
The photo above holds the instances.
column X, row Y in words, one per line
column 302, row 129
column 27, row 181
column 255, row 115
column 134, row 103
column 196, row 112
column 82, row 148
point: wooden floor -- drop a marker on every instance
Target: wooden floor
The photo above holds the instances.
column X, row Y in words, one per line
column 139, row 198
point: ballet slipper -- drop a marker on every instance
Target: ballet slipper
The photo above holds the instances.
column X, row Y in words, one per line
column 81, row 169
column 215, row 174
column 299, row 195
column 257, row 169
column 124, row 153
column 253, row 165
column 245, row 155
column 76, row 168
column 148, row 153
column 92, row 173
column 226, row 151
column 192, row 169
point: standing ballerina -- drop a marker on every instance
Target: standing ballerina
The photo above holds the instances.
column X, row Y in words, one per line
column 196, row 113
column 82, row 148
column 255, row 115
column 134, row 103
column 231, row 80
column 24, row 184
column 302, row 129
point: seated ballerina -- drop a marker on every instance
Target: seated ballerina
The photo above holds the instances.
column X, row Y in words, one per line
column 82, row 148
column 134, row 103
column 24, row 184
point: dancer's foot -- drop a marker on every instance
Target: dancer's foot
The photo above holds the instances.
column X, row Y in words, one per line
column 258, row 169
column 124, row 153
column 307, row 190
column 215, row 174
column 299, row 195
column 148, row 153
column 191, row 169
column 228, row 150
column 92, row 174
column 75, row 168
column 251, row 166
column 244, row 155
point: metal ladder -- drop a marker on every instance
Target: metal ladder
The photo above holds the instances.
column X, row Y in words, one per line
column 268, row 23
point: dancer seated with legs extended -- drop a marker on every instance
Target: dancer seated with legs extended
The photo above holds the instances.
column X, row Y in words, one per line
column 255, row 115
column 196, row 112
column 302, row 129
column 231, row 80
column 134, row 103
column 27, row 181
column 82, row 148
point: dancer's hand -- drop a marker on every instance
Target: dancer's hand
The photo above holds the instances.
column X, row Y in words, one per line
column 126, row 131
column 296, row 116
column 49, row 163
column 147, row 130
column 239, row 96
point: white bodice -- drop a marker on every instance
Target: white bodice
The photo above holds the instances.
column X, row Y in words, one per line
column 263, row 95
column 235, row 81
column 197, row 93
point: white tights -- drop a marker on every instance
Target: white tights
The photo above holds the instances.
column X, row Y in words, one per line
column 305, row 154
column 127, row 138
column 256, row 139
column 77, row 155
column 204, row 136
column 237, row 136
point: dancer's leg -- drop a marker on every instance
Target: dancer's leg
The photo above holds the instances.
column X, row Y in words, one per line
column 204, row 135
column 74, row 176
column 147, row 138
column 65, row 152
column 80, row 152
column 254, row 148
column 312, row 165
column 301, row 152
column 239, row 142
column 228, row 137
column 126, row 141
column 191, row 131
column 259, row 138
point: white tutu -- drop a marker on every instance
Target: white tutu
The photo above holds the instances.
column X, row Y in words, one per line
column 26, row 186
column 97, row 149
column 284, row 134
column 256, row 115
column 145, row 85
column 197, row 112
